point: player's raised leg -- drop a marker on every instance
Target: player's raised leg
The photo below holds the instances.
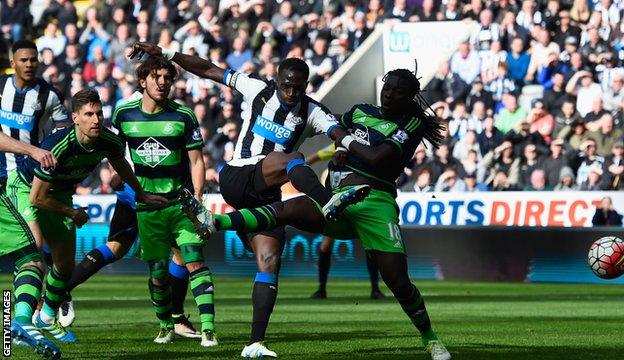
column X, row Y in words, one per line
column 278, row 168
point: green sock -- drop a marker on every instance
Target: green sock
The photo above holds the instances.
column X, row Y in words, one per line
column 247, row 220
column 203, row 291
column 27, row 289
column 162, row 302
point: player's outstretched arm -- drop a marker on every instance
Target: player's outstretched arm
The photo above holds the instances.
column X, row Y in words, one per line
column 39, row 197
column 194, row 64
column 44, row 157
column 125, row 172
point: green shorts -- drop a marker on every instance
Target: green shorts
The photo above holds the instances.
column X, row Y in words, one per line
column 374, row 220
column 14, row 229
column 54, row 227
column 160, row 229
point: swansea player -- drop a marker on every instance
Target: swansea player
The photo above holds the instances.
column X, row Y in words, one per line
column 123, row 233
column 46, row 194
column 392, row 131
column 327, row 244
column 19, row 244
column 277, row 118
column 165, row 146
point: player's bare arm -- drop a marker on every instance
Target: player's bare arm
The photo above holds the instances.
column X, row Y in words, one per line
column 44, row 157
column 125, row 172
column 40, row 198
column 194, row 64
column 197, row 173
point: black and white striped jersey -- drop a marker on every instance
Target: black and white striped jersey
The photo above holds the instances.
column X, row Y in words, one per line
column 269, row 126
column 28, row 115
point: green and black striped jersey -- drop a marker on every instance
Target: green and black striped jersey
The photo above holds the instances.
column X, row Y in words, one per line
column 75, row 162
column 159, row 145
column 369, row 127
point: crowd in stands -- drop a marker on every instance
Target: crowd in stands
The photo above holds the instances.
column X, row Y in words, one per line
column 532, row 101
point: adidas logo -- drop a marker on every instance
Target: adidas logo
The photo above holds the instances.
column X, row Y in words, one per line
column 398, row 244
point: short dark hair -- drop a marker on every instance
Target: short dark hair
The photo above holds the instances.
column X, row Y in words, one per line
column 23, row 44
column 152, row 65
column 84, row 97
column 296, row 65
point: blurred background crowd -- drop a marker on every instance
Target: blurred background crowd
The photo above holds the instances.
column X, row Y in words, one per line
column 532, row 101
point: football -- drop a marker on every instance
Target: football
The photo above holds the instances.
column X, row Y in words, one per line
column 606, row 257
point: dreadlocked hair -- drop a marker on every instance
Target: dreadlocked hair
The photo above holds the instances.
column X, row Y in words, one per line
column 431, row 127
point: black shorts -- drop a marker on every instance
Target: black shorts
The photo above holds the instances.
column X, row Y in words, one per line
column 243, row 187
column 123, row 224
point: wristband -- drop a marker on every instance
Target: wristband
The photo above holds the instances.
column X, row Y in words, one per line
column 168, row 53
column 341, row 149
column 347, row 140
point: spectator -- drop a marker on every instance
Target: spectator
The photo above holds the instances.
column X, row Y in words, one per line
column 580, row 12
column 451, row 11
column 594, row 181
column 449, row 182
column 595, row 49
column 486, row 32
column 566, row 180
column 443, row 161
column 360, row 33
column 120, row 42
column 375, row 12
column 586, row 160
column 190, row 36
column 501, row 159
column 14, row 18
column 240, row 54
column 518, row 61
column 566, row 33
column 93, row 35
column 465, row 145
column 614, row 94
column 479, row 94
column 446, row 86
column 614, row 167
column 420, row 182
column 51, row 39
column 537, row 181
column 555, row 96
column 528, row 17
column 570, row 46
column 554, row 163
column 604, row 133
column 286, row 13
column 490, row 59
column 574, row 134
column 490, row 137
column 321, row 65
column 596, row 111
column 586, row 92
column 541, row 121
column 501, row 182
column 528, row 164
column 511, row 115
column 461, row 122
column 472, row 184
column 510, row 30
column 501, row 84
column 605, row 214
column 542, row 49
column 465, row 63
column 427, row 11
column 90, row 69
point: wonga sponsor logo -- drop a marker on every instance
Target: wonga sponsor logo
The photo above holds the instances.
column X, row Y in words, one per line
column 272, row 131
column 16, row 120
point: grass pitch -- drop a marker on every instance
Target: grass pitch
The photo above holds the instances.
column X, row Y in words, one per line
column 475, row 320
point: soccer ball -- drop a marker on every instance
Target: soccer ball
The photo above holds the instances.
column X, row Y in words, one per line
column 606, row 257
